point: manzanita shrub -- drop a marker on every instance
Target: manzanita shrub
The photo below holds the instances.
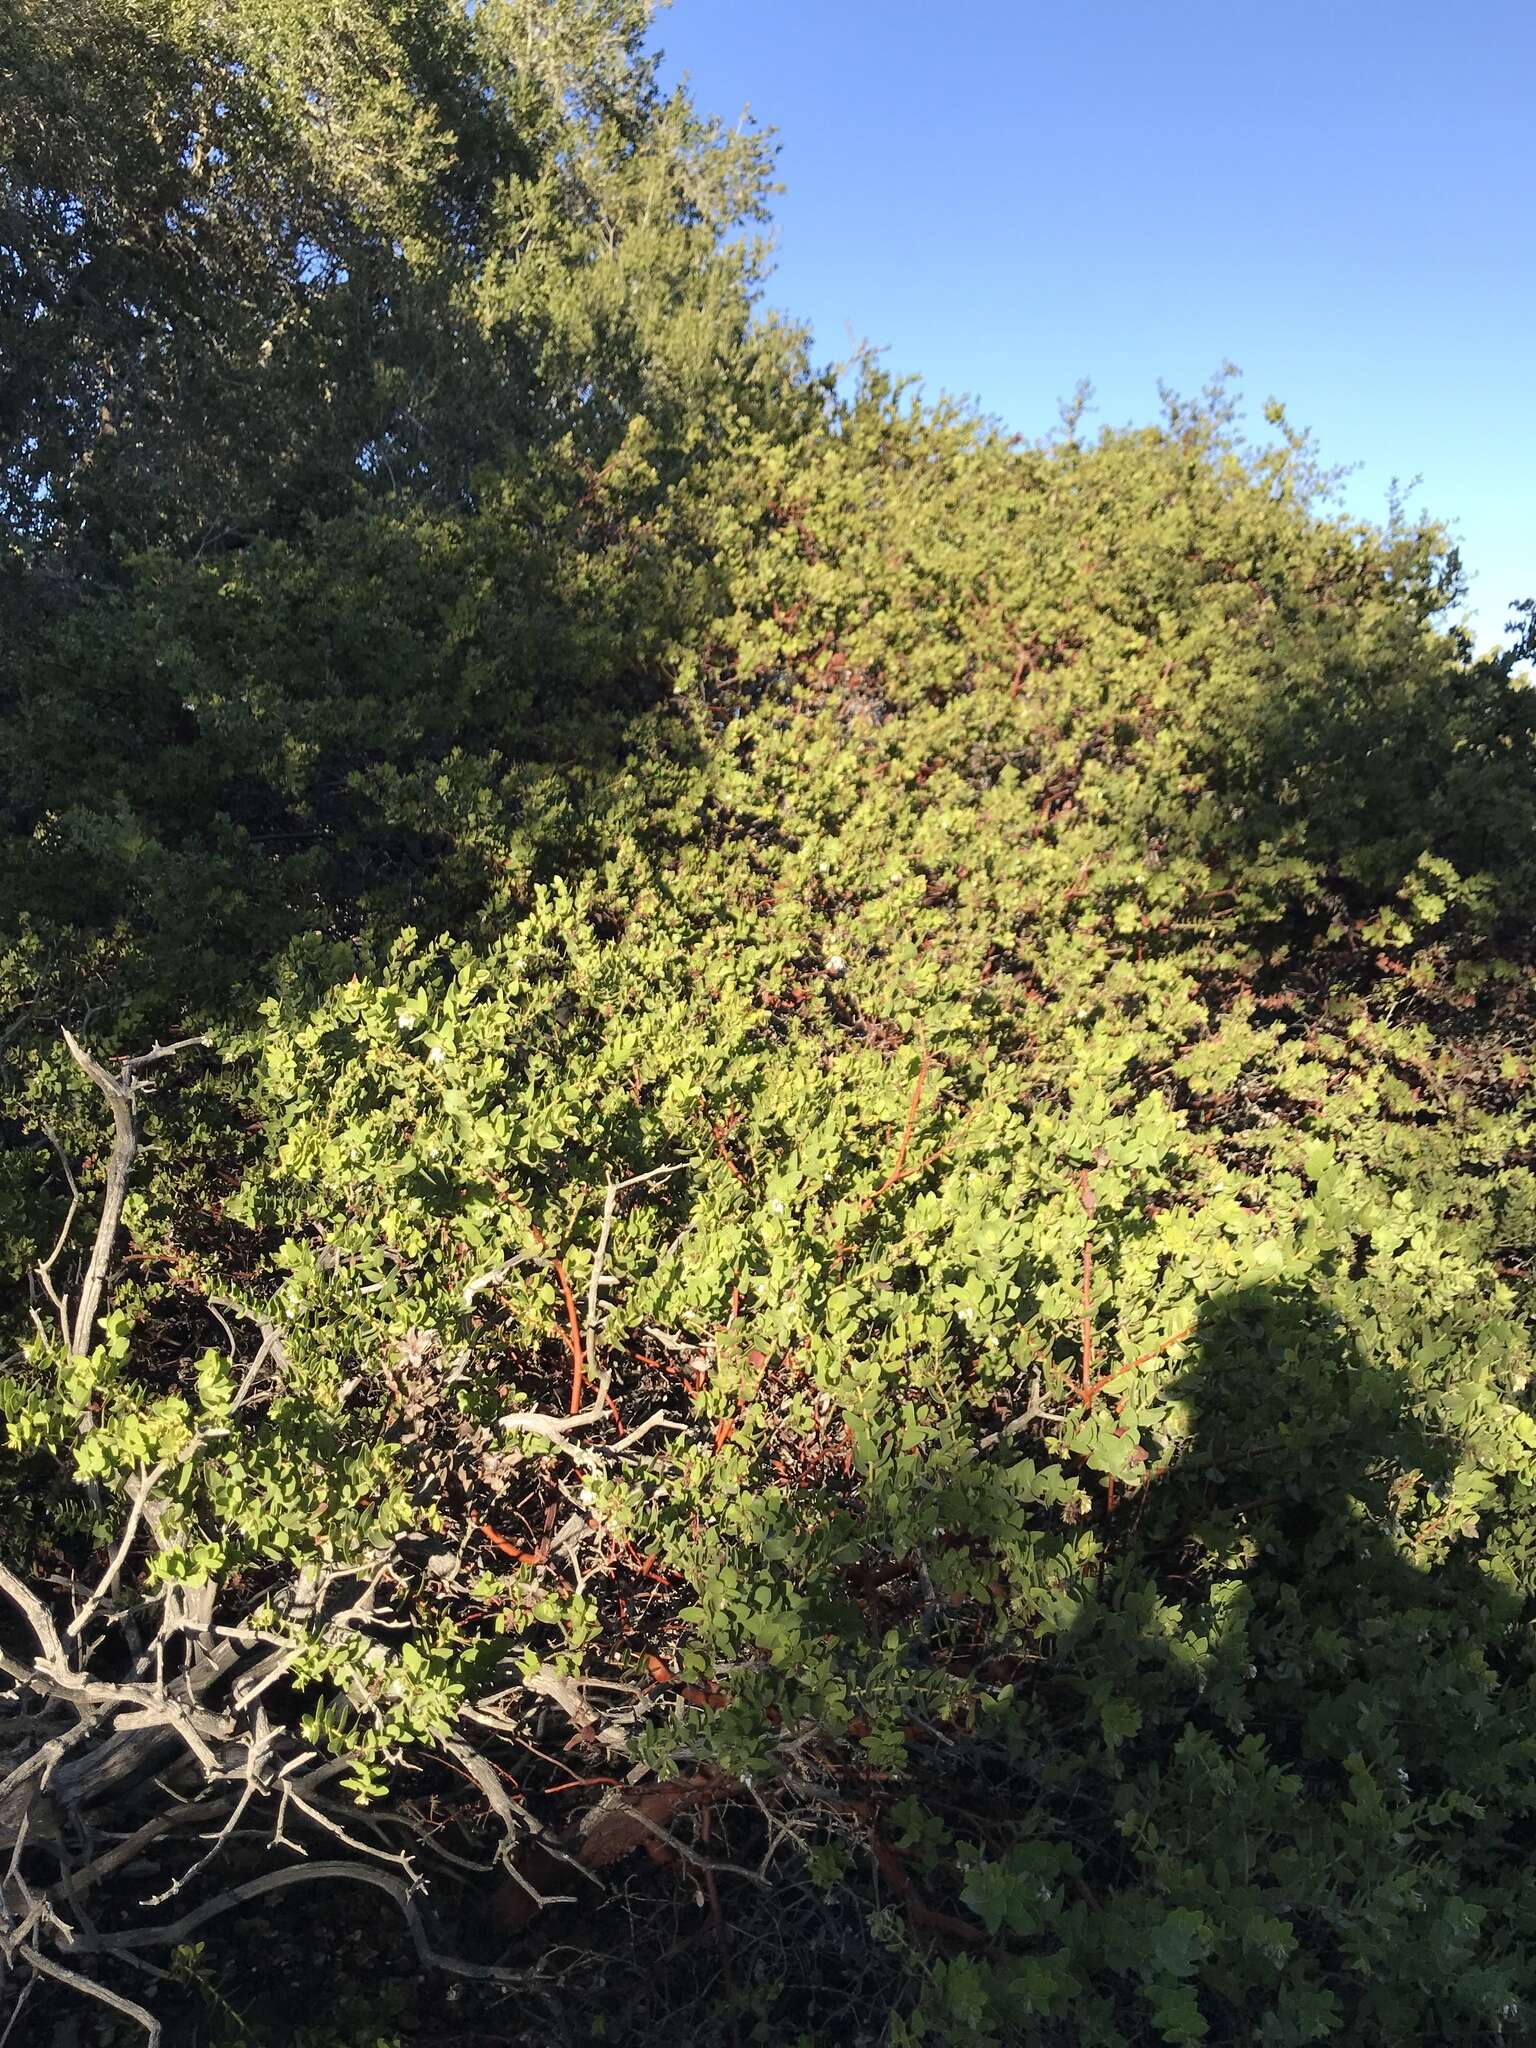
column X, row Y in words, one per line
column 901, row 1258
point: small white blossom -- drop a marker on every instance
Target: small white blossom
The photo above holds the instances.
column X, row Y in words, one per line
column 836, row 963
column 405, row 1020
column 437, row 1055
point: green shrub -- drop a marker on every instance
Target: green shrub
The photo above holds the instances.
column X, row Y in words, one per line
column 866, row 1162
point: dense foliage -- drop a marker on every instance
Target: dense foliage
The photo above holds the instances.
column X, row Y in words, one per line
column 846, row 1272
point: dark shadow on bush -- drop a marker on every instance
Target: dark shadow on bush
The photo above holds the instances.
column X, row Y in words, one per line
column 299, row 744
column 1294, row 1796
column 1366, row 758
column 1273, row 1785
column 262, row 769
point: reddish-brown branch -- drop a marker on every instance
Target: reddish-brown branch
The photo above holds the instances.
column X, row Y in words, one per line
column 899, row 1169
column 903, row 1172
column 459, row 1771
column 1087, row 1320
column 692, row 1379
column 573, row 1321
column 1085, row 1192
column 495, row 1538
column 645, row 1564
column 1146, row 1358
column 578, row 1350
column 719, row 1133
column 918, row 1911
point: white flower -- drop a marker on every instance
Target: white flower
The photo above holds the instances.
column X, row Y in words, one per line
column 404, row 1020
column 776, row 1206
column 437, row 1055
column 587, row 1496
column 836, row 963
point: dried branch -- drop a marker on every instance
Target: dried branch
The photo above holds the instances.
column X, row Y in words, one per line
column 119, row 1555
column 39, row 1619
column 898, row 1171
column 172, row 1820
column 120, row 1091
column 45, row 1966
column 45, row 1269
column 343, row 1872
column 689, row 1854
column 119, row 1095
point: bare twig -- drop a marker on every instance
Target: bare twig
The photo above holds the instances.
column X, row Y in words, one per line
column 45, row 1966
column 232, row 1820
column 334, row 1827
column 172, row 1820
column 130, row 1066
column 18, row 2009
column 119, row 1095
column 494, row 1276
column 898, row 1171
column 175, row 1932
column 45, row 1269
column 124, row 1544
column 39, row 1619
column 119, row 1091
column 553, row 1429
column 611, row 1195
column 687, row 1851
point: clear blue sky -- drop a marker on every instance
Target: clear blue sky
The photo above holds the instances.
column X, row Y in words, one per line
column 1337, row 195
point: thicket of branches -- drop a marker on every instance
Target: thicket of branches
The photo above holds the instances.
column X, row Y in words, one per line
column 768, row 1182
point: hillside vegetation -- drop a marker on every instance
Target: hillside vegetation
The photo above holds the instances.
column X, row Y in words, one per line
column 815, row 1325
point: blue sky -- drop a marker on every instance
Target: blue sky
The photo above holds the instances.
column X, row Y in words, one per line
column 1340, row 198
